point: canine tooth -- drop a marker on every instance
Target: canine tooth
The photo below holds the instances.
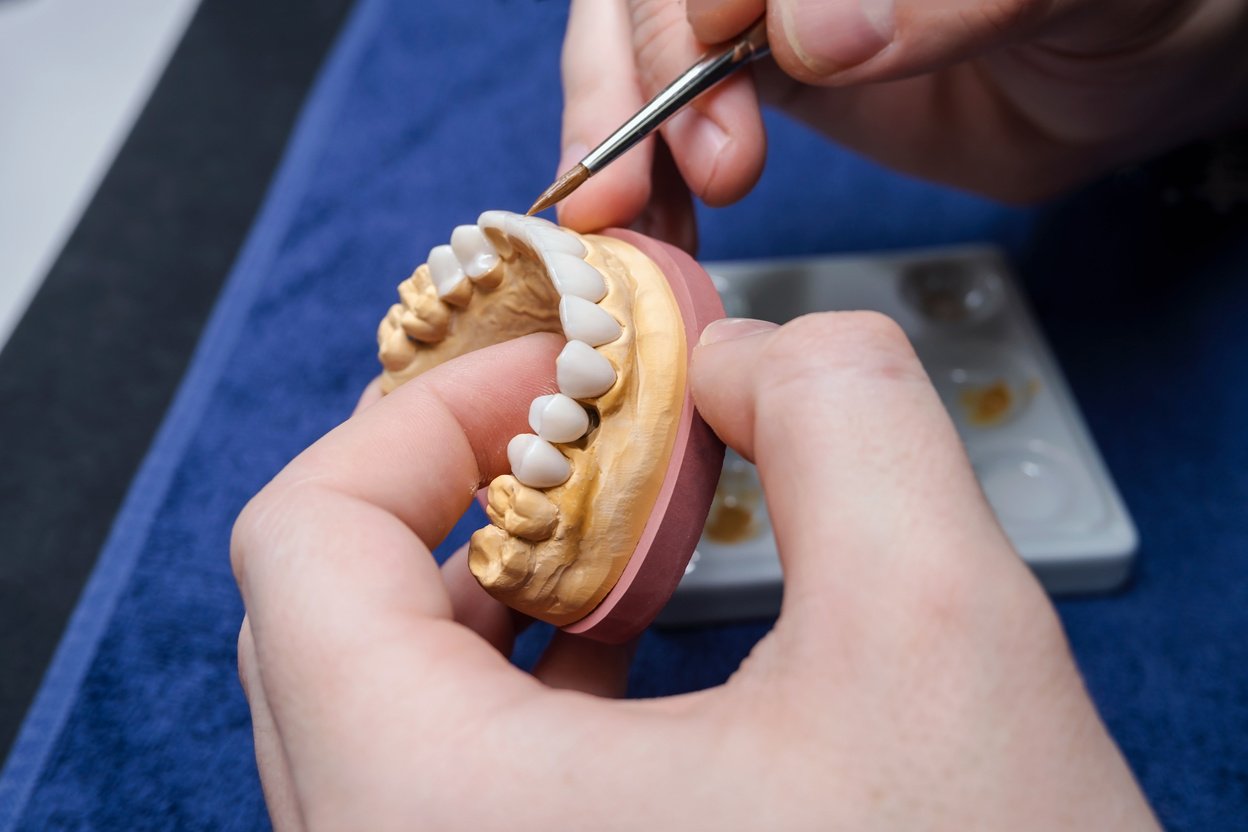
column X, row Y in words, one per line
column 588, row 322
column 536, row 462
column 396, row 351
column 475, row 253
column 523, row 511
column 448, row 277
column 495, row 219
column 583, row 372
column 573, row 276
column 545, row 240
column 494, row 225
column 558, row 418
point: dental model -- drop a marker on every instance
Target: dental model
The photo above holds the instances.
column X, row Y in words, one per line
column 606, row 499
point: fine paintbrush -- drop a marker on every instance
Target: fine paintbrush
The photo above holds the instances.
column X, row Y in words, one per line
column 699, row 78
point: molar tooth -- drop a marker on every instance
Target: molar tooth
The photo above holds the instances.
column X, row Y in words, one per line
column 423, row 316
column 535, row 462
column 426, row 329
column 582, row 371
column 498, row 560
column 388, row 324
column 448, row 277
column 586, row 321
column 545, row 239
column 523, row 511
column 558, row 418
column 475, row 253
column 396, row 351
column 573, row 276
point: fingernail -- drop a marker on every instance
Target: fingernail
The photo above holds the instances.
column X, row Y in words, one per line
column 835, row 35
column 572, row 156
column 728, row 329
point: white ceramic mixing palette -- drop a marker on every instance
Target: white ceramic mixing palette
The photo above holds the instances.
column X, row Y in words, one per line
column 1030, row 448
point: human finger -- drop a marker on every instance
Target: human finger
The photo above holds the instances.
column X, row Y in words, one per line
column 867, row 485
column 476, row 609
column 333, row 556
column 714, row 21
column 600, row 91
column 419, row 453
column 571, row 662
column 718, row 141
column 370, row 396
column 669, row 214
column 856, row 41
column 271, row 762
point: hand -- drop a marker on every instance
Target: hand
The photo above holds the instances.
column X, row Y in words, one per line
column 1017, row 99
column 917, row 677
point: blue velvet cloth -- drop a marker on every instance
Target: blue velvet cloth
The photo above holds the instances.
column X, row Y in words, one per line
column 426, row 114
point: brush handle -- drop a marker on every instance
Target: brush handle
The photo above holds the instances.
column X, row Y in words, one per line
column 697, row 79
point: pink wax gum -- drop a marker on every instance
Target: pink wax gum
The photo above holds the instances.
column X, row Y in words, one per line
column 680, row 511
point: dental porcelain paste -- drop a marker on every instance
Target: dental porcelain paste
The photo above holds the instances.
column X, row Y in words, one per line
column 606, row 498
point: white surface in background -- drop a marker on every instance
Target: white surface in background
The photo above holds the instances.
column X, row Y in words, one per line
column 74, row 75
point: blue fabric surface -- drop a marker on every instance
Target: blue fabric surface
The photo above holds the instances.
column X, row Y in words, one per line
column 428, row 113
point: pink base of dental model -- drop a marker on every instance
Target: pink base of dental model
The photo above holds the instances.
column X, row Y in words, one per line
column 680, row 510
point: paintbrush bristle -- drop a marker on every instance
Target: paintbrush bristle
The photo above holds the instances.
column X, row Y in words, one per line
column 563, row 186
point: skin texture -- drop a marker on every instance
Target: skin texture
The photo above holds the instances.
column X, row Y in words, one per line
column 1016, row 99
column 917, row 676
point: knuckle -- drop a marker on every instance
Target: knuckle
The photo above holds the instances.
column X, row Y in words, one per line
column 251, row 529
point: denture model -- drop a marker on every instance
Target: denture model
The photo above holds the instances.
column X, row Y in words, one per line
column 606, row 499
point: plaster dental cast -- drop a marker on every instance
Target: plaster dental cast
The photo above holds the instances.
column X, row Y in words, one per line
column 610, row 486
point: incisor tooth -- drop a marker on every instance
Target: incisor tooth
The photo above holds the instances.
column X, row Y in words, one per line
column 545, row 240
column 558, row 418
column 523, row 511
column 536, row 462
column 586, row 321
column 475, row 253
column 573, row 276
column 451, row 282
column 583, row 372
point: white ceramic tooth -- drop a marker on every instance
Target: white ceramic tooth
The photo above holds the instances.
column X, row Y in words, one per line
column 546, row 239
column 444, row 270
column 495, row 219
column 582, row 371
column 516, row 225
column 587, row 321
column 573, row 276
column 475, row 253
column 536, row 462
column 558, row 418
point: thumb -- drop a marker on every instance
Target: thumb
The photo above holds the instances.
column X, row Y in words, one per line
column 866, row 481
column 844, row 41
